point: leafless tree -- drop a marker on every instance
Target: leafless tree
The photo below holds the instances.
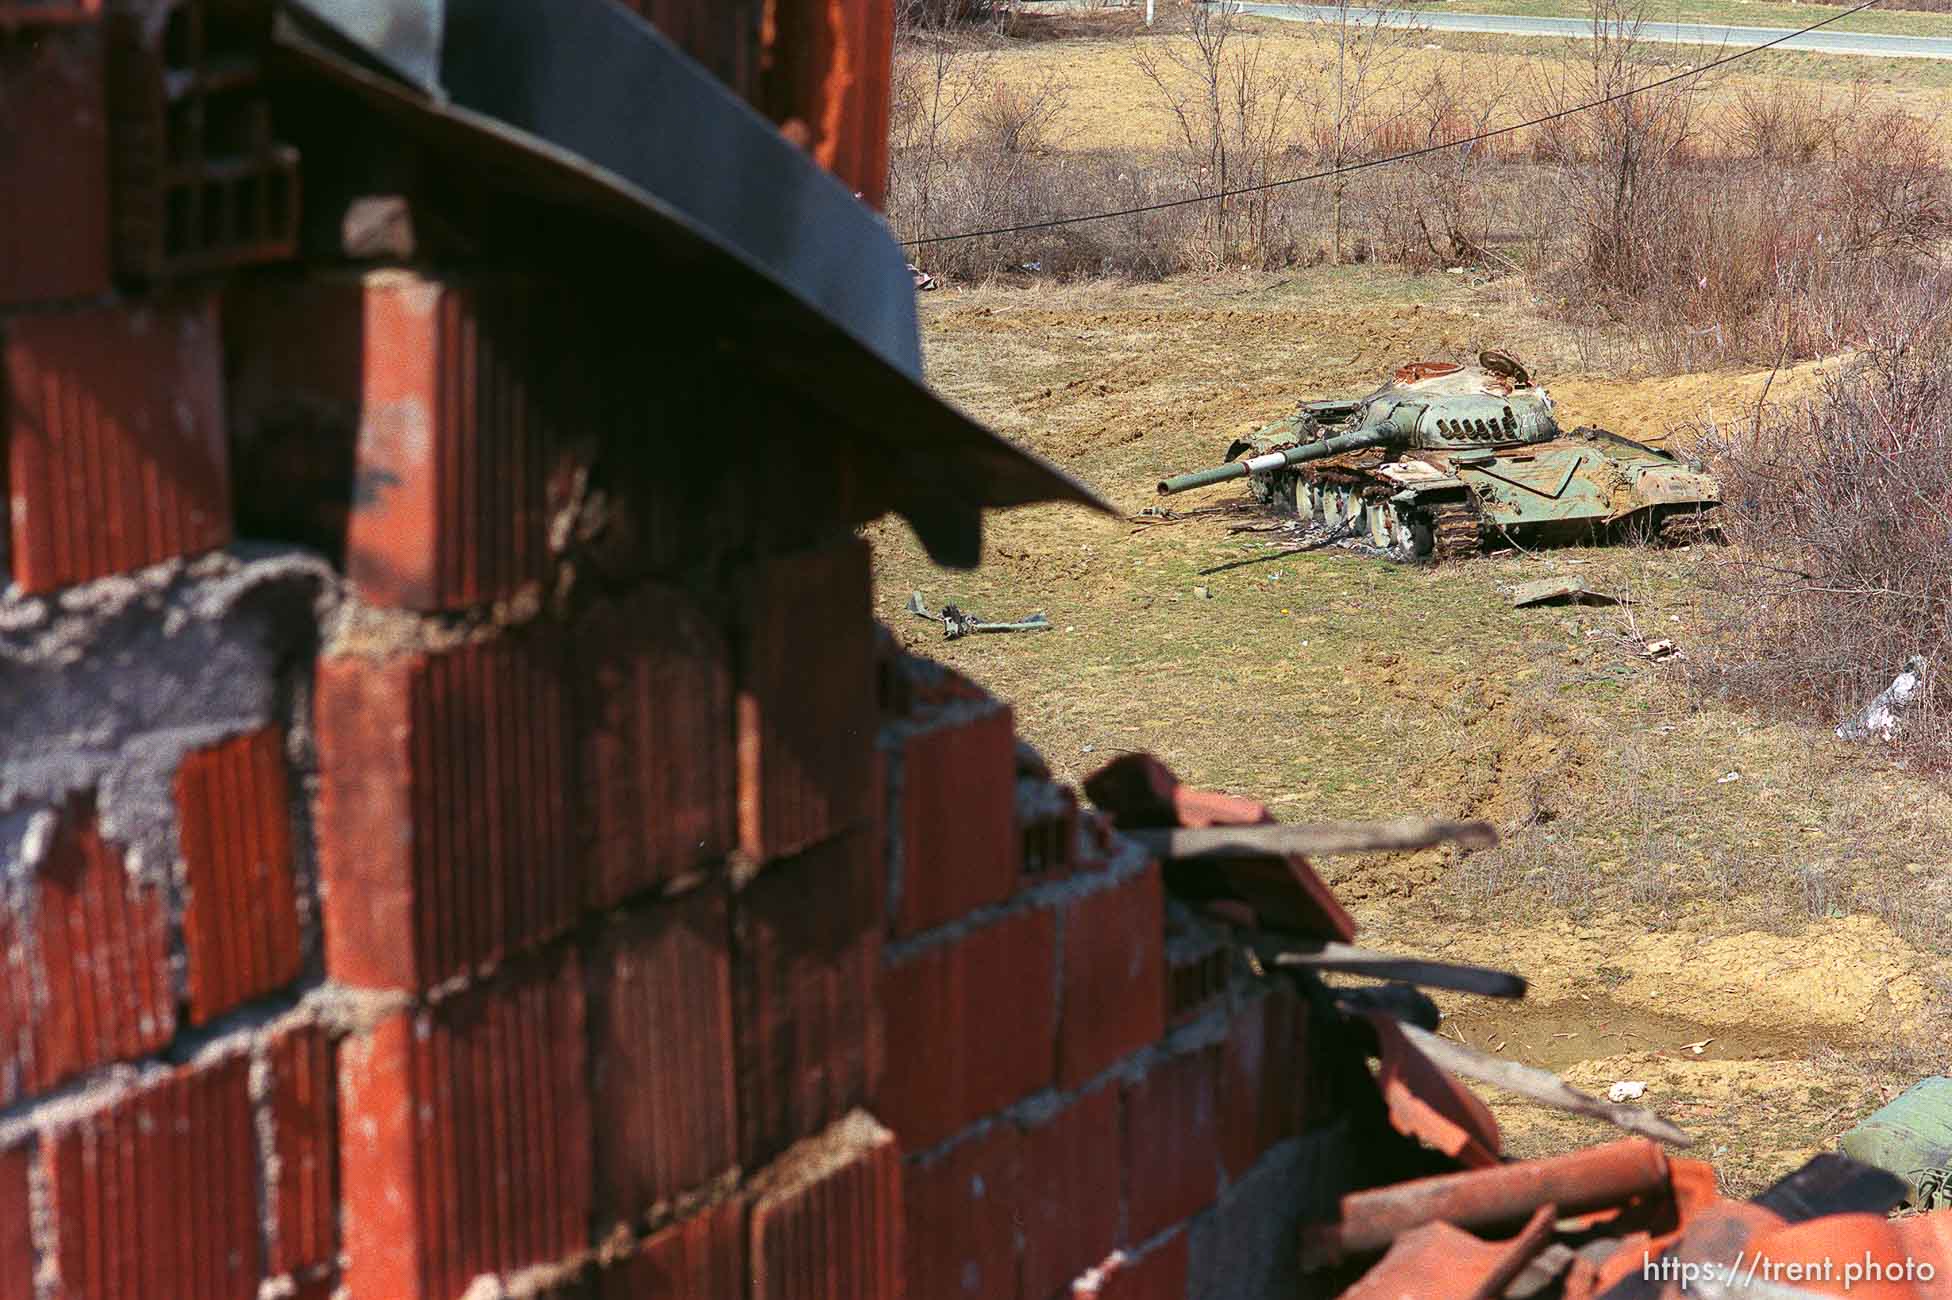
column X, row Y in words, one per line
column 1360, row 49
column 1448, row 213
column 1232, row 111
column 1616, row 164
column 938, row 71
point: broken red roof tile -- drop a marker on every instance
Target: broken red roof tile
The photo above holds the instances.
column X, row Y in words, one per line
column 1487, row 1198
column 1439, row 1262
column 1427, row 1104
column 1279, row 891
column 1140, row 791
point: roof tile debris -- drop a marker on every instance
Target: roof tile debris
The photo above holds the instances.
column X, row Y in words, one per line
column 1619, row 1221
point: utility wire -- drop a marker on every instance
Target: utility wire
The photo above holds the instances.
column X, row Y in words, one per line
column 1419, row 152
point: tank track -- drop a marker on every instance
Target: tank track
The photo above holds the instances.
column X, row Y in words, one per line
column 1685, row 527
column 1457, row 531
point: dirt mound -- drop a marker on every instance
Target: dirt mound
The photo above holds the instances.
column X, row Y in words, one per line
column 1650, row 409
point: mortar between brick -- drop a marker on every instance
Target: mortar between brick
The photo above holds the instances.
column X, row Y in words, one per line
column 1208, row 1030
column 1129, row 860
column 108, row 685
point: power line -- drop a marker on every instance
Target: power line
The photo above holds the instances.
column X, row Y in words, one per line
column 1419, row 152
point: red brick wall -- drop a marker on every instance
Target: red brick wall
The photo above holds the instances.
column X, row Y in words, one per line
column 1073, row 1119
column 593, row 902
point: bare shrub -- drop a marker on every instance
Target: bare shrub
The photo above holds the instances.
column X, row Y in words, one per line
column 1617, row 167
column 1783, row 125
column 1009, row 118
column 1361, row 48
column 1784, row 226
column 937, row 15
column 1775, row 230
column 936, row 73
column 1231, row 108
column 1452, row 195
column 1889, row 185
column 1839, row 517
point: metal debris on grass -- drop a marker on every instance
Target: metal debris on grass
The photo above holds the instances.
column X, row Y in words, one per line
column 1881, row 717
column 957, row 623
column 1557, row 591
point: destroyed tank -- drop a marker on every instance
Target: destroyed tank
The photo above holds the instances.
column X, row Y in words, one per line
column 1445, row 457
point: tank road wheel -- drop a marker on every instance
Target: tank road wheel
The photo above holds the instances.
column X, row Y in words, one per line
column 1403, row 535
column 1345, row 510
column 1382, row 524
column 1275, row 488
column 1317, row 504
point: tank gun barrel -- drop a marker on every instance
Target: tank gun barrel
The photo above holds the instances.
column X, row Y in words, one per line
column 1354, row 440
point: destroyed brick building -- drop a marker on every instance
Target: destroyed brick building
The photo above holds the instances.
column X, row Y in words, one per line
column 460, row 838
column 464, row 833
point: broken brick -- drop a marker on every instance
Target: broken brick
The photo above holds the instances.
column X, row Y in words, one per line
column 116, row 454
column 87, row 964
column 655, row 727
column 961, row 1218
column 1070, row 1201
column 1171, row 1133
column 1137, row 790
column 1273, row 890
column 806, row 934
column 1113, row 977
column 324, row 1286
column 827, row 1218
column 423, row 416
column 664, row 1086
column 240, row 922
column 703, row 1258
column 957, row 819
column 1159, row 1274
column 54, row 207
column 827, row 81
column 465, row 1137
column 156, row 1192
column 976, row 1018
column 1261, row 1079
column 201, row 184
column 1199, row 967
column 444, row 825
column 16, row 1224
column 1047, row 829
column 302, row 1182
column 806, row 700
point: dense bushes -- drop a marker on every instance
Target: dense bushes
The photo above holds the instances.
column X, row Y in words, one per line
column 1839, row 523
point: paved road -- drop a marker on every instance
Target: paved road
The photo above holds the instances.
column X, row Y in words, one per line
column 1827, row 41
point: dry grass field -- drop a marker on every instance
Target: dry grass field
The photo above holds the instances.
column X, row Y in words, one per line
column 1790, row 919
column 1109, row 104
